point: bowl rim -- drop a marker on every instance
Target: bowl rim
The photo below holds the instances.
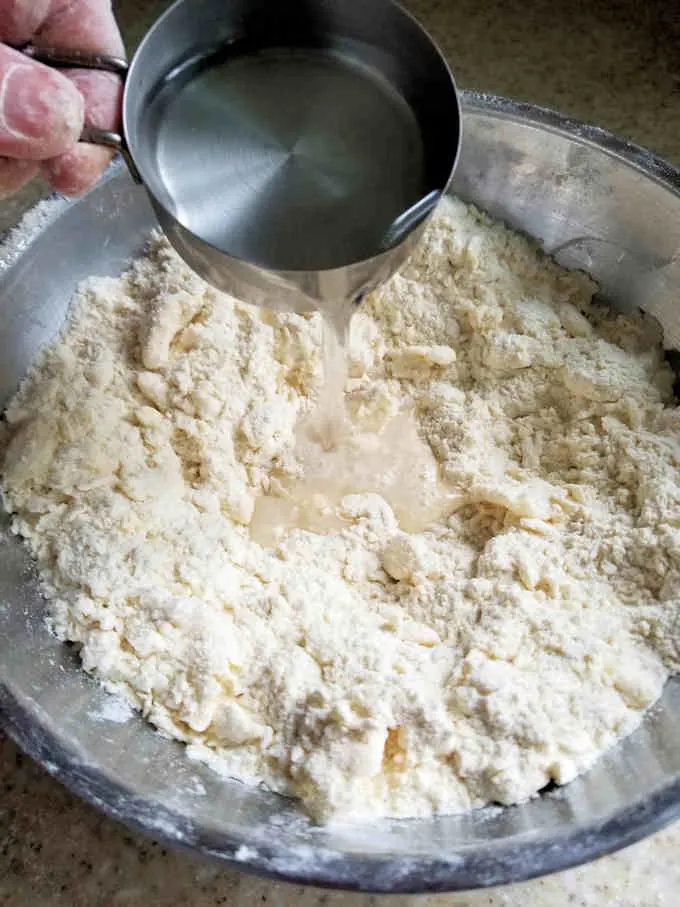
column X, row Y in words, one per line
column 649, row 163
column 496, row 863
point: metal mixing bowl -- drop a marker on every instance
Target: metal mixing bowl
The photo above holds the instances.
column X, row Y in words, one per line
column 594, row 201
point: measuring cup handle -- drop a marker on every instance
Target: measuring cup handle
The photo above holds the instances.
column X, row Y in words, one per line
column 76, row 59
column 80, row 59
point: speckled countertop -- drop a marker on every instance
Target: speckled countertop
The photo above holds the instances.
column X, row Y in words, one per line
column 612, row 62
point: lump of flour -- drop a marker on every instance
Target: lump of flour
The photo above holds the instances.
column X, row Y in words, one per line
column 368, row 670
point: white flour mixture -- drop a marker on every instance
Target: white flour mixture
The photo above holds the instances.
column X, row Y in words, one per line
column 365, row 669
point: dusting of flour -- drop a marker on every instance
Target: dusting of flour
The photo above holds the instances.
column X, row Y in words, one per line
column 366, row 669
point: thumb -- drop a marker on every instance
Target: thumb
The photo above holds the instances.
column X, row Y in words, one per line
column 41, row 111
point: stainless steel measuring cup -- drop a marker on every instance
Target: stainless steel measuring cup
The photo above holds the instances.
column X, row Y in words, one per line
column 293, row 150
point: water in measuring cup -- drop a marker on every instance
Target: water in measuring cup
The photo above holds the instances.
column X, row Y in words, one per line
column 294, row 159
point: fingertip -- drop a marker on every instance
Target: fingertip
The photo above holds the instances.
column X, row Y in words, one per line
column 102, row 93
column 76, row 171
column 41, row 111
column 81, row 25
column 21, row 19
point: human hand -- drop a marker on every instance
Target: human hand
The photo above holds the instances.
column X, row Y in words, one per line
column 42, row 110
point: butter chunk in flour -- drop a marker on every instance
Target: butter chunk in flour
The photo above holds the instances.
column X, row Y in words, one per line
column 367, row 670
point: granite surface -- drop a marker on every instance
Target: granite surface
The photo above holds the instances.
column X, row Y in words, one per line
column 612, row 62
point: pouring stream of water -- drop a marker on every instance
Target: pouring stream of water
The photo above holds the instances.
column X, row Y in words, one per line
column 338, row 460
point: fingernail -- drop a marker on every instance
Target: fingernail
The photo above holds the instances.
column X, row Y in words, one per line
column 40, row 107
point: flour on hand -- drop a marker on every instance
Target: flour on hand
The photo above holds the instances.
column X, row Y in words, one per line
column 365, row 669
